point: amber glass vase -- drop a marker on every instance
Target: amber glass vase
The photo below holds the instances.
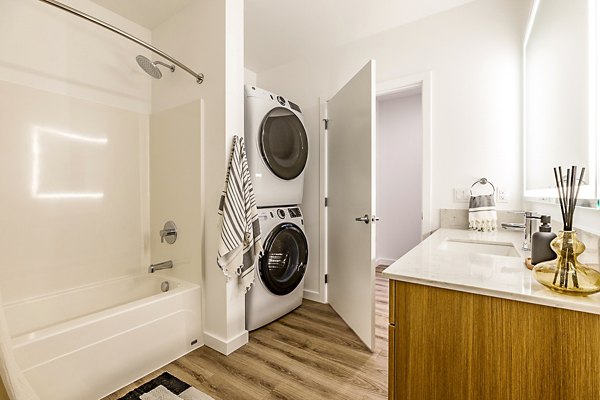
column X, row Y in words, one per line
column 566, row 274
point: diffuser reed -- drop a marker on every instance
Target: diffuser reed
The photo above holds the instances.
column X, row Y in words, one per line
column 566, row 274
column 568, row 196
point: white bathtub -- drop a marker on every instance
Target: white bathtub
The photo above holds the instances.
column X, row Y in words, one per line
column 87, row 342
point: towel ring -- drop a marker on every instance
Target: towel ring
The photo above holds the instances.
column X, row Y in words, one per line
column 483, row 181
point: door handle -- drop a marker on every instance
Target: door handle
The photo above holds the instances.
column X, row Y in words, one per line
column 365, row 218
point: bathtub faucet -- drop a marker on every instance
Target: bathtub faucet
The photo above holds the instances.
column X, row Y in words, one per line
column 159, row 266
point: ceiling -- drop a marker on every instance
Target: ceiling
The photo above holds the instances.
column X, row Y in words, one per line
column 148, row 13
column 279, row 31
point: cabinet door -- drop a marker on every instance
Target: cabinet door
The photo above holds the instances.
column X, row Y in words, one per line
column 453, row 345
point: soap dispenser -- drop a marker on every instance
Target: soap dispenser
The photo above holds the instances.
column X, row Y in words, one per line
column 540, row 242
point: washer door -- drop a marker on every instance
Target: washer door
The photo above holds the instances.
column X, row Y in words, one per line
column 284, row 259
column 283, row 143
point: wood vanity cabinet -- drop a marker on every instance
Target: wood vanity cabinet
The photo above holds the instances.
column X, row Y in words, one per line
column 446, row 344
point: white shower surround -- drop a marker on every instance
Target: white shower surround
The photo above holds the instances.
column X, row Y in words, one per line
column 71, row 246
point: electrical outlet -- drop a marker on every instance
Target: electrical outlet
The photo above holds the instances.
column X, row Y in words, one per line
column 502, row 195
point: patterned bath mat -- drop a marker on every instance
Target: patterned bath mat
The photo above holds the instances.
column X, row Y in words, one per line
column 166, row 387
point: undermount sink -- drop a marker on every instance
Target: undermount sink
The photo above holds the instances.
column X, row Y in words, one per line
column 479, row 247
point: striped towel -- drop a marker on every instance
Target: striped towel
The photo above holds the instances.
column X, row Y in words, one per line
column 240, row 231
column 482, row 213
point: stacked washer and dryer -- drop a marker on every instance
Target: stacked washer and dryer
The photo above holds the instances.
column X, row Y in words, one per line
column 277, row 150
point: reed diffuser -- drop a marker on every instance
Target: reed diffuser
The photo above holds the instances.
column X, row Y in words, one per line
column 566, row 274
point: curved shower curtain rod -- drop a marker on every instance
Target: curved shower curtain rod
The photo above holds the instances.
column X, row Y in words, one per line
column 64, row 7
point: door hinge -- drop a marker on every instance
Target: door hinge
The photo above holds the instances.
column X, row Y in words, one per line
column 326, row 278
column 326, row 202
column 326, row 122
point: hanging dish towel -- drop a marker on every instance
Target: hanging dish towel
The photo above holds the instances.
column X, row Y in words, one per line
column 482, row 213
column 240, row 231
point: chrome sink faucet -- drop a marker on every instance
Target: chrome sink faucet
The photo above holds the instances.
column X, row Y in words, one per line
column 528, row 226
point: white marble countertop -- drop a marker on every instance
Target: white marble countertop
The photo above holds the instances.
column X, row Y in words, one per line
column 489, row 275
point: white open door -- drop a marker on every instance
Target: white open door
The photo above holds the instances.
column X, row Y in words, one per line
column 351, row 203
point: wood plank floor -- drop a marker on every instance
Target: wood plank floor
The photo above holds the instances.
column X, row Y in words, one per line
column 308, row 354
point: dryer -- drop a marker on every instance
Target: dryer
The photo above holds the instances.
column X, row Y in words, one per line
column 276, row 146
column 279, row 282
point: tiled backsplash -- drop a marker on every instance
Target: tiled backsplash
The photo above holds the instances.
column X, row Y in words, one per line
column 459, row 219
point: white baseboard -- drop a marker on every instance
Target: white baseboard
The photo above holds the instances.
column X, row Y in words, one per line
column 385, row 261
column 223, row 346
column 314, row 296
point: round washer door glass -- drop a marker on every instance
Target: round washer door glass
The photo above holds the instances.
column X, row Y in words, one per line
column 284, row 260
column 283, row 143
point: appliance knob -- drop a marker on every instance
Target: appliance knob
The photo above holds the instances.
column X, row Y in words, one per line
column 281, row 213
column 281, row 100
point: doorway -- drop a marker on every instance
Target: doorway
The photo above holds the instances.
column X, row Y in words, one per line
column 399, row 188
column 399, row 168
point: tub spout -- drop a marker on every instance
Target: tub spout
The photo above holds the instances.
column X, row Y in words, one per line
column 159, row 266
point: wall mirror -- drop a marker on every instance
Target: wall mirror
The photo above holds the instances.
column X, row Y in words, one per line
column 560, row 97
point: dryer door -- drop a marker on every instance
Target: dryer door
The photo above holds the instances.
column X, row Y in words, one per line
column 283, row 143
column 284, row 260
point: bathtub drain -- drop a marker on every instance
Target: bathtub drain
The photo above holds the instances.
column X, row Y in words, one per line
column 164, row 286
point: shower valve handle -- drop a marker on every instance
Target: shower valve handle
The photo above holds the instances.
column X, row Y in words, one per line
column 168, row 233
column 165, row 233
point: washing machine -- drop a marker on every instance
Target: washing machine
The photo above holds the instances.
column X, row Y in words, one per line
column 276, row 147
column 279, row 282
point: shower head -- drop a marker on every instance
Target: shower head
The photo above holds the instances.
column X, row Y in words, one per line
column 151, row 68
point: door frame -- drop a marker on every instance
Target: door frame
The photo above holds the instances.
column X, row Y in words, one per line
column 423, row 79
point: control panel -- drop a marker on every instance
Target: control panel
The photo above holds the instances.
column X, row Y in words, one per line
column 295, row 212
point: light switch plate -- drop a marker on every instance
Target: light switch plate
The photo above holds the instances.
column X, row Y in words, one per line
column 461, row 195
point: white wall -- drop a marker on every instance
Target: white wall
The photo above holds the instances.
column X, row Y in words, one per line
column 208, row 37
column 399, row 171
column 74, row 121
column 249, row 77
column 474, row 53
